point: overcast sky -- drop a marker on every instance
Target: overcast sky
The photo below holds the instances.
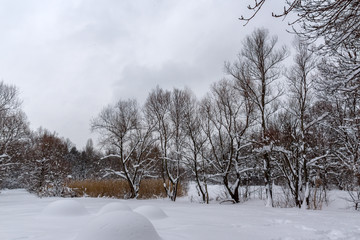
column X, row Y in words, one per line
column 70, row 59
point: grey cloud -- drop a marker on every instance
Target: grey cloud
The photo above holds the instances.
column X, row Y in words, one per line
column 71, row 58
column 137, row 81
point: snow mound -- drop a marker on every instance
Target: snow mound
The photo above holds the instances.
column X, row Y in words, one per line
column 119, row 225
column 114, row 206
column 65, row 207
column 151, row 212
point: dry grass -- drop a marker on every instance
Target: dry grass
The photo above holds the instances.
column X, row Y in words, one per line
column 149, row 188
column 103, row 188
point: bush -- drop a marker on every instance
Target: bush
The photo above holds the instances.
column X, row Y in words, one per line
column 149, row 188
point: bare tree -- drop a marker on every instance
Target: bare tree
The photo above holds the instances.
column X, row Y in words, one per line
column 226, row 118
column 167, row 110
column 14, row 129
column 194, row 145
column 13, row 123
column 301, row 93
column 128, row 139
column 9, row 97
column 256, row 70
column 157, row 108
column 338, row 22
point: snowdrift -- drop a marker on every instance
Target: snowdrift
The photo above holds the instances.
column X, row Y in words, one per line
column 64, row 207
column 151, row 212
column 114, row 206
column 119, row 225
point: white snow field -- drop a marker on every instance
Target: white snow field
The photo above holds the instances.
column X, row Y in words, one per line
column 119, row 225
column 114, row 206
column 151, row 212
column 64, row 207
column 24, row 216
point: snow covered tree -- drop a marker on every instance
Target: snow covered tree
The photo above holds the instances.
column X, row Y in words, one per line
column 298, row 157
column 75, row 161
column 167, row 111
column 175, row 168
column 227, row 116
column 14, row 131
column 128, row 138
column 194, row 145
column 342, row 92
column 84, row 163
column 256, row 70
column 47, row 166
column 89, row 159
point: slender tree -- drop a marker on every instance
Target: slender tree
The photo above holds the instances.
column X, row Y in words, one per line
column 194, row 145
column 256, row 70
column 227, row 118
column 301, row 86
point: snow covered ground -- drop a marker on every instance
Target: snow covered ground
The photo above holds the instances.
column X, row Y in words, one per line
column 24, row 216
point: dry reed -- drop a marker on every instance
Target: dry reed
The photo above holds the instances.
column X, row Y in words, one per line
column 149, row 188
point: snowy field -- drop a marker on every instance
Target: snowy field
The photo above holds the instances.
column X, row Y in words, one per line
column 24, row 216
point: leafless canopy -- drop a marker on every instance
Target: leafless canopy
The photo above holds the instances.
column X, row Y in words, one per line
column 338, row 22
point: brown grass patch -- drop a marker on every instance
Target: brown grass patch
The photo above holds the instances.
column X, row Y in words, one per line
column 149, row 188
column 100, row 188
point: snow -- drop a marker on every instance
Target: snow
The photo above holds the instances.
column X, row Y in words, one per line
column 22, row 217
column 64, row 207
column 151, row 212
column 119, row 225
column 114, row 206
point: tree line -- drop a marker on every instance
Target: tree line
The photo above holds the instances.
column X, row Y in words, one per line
column 249, row 129
column 259, row 125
